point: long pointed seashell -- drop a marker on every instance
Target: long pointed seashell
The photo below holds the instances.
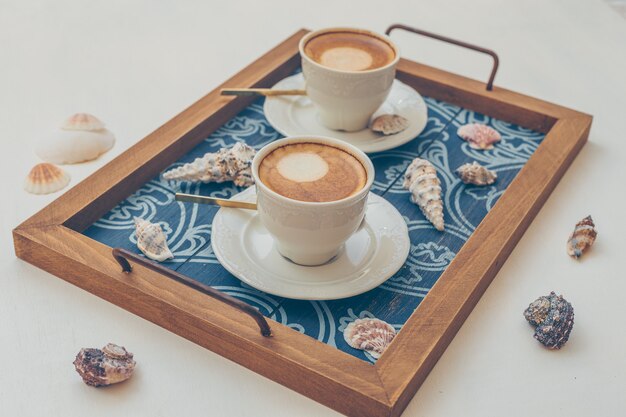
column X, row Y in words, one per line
column 370, row 335
column 151, row 240
column 421, row 180
column 582, row 238
column 227, row 164
column 46, row 178
column 476, row 174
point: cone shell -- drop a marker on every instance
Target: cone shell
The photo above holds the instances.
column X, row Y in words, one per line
column 389, row 124
column 82, row 121
column 151, row 240
column 476, row 174
column 421, row 180
column 100, row 367
column 46, row 178
column 479, row 136
column 553, row 318
column 228, row 164
column 370, row 335
column 582, row 238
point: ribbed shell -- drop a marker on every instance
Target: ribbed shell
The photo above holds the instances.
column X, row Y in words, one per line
column 479, row 136
column 421, row 180
column 476, row 174
column 582, row 238
column 553, row 317
column 389, row 124
column 82, row 121
column 46, row 178
column 106, row 366
column 370, row 335
column 151, row 240
column 228, row 164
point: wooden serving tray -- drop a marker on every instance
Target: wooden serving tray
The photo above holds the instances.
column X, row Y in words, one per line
column 428, row 299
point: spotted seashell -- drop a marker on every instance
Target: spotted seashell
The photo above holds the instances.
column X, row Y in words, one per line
column 582, row 238
column 476, row 174
column 46, row 178
column 82, row 121
column 151, row 240
column 227, row 164
column 106, row 366
column 370, row 335
column 553, row 318
column 421, row 180
column 479, row 136
column 389, row 124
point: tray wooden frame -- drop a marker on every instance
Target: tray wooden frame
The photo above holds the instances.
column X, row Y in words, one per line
column 52, row 240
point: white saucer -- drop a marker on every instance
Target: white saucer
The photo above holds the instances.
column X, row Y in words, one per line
column 371, row 256
column 296, row 115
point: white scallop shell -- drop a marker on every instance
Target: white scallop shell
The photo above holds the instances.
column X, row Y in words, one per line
column 46, row 178
column 151, row 240
column 227, row 164
column 82, row 121
column 389, row 124
column 476, row 174
column 370, row 335
column 421, row 180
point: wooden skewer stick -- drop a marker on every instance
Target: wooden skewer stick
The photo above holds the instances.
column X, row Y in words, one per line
column 222, row 202
column 260, row 91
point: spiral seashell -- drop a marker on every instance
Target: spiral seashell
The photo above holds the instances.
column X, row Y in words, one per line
column 151, row 240
column 479, row 136
column 476, row 174
column 106, row 366
column 82, row 121
column 553, row 318
column 421, row 180
column 227, row 164
column 389, row 124
column 582, row 238
column 370, row 335
column 46, row 178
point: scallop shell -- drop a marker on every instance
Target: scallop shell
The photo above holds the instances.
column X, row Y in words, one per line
column 421, row 180
column 106, row 366
column 553, row 318
column 479, row 136
column 81, row 138
column 582, row 238
column 370, row 335
column 151, row 240
column 82, row 121
column 389, row 124
column 227, row 164
column 46, row 178
column 476, row 174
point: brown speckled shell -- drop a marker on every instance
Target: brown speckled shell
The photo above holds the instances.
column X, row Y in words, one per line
column 553, row 317
column 582, row 238
column 476, row 174
column 106, row 366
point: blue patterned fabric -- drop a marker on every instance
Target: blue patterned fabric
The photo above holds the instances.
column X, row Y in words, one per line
column 188, row 226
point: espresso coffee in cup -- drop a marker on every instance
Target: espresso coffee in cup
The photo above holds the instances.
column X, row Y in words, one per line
column 313, row 172
column 348, row 74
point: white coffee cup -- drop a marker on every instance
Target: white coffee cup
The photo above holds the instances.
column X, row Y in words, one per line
column 346, row 100
column 311, row 233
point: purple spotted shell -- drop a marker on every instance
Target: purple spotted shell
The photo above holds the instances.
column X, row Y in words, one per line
column 553, row 318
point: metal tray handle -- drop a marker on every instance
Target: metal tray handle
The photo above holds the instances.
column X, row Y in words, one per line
column 489, row 52
column 122, row 256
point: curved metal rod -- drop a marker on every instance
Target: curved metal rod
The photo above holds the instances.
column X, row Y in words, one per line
column 496, row 60
column 122, row 256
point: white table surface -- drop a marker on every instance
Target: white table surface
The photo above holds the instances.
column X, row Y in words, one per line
column 135, row 64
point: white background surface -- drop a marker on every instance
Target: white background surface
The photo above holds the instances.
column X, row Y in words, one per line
column 135, row 64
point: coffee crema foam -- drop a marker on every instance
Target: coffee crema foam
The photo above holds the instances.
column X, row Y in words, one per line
column 349, row 51
column 312, row 172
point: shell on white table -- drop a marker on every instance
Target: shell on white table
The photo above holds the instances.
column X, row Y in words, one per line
column 389, row 124
column 476, row 174
column 81, row 138
column 421, row 180
column 151, row 240
column 370, row 334
column 101, row 367
column 479, row 136
column 227, row 164
column 582, row 238
column 46, row 178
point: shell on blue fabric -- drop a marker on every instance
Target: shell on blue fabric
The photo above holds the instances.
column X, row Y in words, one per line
column 151, row 240
column 421, row 180
column 479, row 136
column 553, row 318
column 582, row 238
column 370, row 334
column 476, row 174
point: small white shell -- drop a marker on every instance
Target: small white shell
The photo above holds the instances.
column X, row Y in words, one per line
column 370, row 335
column 82, row 121
column 476, row 174
column 46, row 178
column 389, row 124
column 151, row 240
column 421, row 180
column 479, row 136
